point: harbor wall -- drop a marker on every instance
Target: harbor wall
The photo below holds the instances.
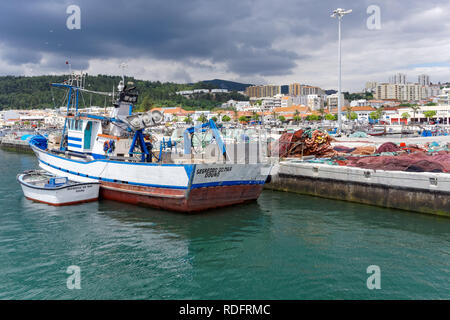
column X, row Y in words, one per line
column 15, row 145
column 422, row 192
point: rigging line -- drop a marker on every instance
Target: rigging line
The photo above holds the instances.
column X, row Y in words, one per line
column 104, row 168
column 53, row 97
column 82, row 97
column 66, row 98
column 120, row 127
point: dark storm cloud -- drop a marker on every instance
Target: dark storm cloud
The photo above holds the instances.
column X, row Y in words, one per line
column 224, row 32
column 242, row 34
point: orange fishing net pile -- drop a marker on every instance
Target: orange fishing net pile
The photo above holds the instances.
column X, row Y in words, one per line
column 306, row 143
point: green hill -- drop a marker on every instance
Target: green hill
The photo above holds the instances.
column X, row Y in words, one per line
column 19, row 92
column 229, row 85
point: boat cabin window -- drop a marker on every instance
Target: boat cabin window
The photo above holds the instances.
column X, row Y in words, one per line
column 76, row 125
column 56, row 182
column 59, row 180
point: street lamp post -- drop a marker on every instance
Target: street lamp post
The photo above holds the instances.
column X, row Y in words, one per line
column 339, row 13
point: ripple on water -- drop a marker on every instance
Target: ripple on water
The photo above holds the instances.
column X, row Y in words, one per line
column 285, row 246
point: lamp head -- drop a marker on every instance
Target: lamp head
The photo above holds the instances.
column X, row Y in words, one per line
column 339, row 12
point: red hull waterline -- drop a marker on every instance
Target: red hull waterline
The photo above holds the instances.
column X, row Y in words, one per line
column 64, row 203
column 198, row 199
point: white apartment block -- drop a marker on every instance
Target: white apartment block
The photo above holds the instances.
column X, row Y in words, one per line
column 401, row 92
column 315, row 102
column 434, row 90
column 444, row 97
column 270, row 103
column 219, row 90
column 300, row 100
column 399, row 78
column 200, row 91
column 239, row 105
column 358, row 103
column 332, row 100
column 286, row 101
column 424, row 80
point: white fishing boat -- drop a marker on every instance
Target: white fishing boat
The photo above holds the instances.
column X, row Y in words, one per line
column 113, row 150
column 38, row 185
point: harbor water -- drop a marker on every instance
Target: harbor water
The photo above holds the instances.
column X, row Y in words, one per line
column 284, row 246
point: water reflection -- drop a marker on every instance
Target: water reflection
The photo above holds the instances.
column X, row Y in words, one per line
column 203, row 226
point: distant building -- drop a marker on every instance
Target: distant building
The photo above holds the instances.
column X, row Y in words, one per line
column 444, row 97
column 188, row 93
column 299, row 100
column 375, row 103
column 262, row 91
column 358, row 103
column 399, row 78
column 363, row 112
column 286, row 101
column 11, row 116
column 315, row 102
column 434, row 90
column 201, row 91
column 297, row 89
column 238, row 105
column 290, row 112
column 268, row 103
column 401, row 92
column 424, row 80
column 332, row 100
column 370, row 86
column 284, row 89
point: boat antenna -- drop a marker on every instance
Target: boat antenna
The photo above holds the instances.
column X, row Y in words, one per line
column 70, row 66
column 123, row 66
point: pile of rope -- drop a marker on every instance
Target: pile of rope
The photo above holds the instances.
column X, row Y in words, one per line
column 304, row 143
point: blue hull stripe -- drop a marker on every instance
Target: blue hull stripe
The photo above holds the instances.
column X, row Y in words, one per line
column 187, row 167
column 74, row 145
column 74, row 139
column 226, row 183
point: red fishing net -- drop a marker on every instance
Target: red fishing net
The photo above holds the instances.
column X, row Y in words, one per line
column 417, row 162
column 388, row 147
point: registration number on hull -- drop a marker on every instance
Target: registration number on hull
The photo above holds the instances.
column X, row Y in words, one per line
column 212, row 172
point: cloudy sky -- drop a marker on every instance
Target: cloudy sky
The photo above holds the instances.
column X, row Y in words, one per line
column 253, row 41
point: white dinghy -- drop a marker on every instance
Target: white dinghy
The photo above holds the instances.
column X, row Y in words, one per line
column 38, row 185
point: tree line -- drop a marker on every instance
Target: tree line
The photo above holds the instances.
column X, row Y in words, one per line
column 20, row 92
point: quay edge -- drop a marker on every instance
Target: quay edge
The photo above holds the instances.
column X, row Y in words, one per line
column 15, row 145
column 422, row 192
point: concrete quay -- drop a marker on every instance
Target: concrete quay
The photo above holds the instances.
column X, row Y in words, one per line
column 422, row 192
column 15, row 144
